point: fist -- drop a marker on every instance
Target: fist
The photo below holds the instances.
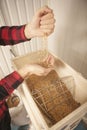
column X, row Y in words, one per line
column 42, row 23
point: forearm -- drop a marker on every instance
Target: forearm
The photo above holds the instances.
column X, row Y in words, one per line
column 42, row 24
column 9, row 83
column 12, row 35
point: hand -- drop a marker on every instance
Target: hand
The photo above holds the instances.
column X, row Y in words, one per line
column 41, row 24
column 49, row 60
column 39, row 70
column 34, row 69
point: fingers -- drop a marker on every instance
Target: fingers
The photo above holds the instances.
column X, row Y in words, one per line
column 48, row 70
column 47, row 32
column 51, row 26
column 45, row 71
column 39, row 70
column 44, row 10
column 47, row 16
column 47, row 23
column 47, row 29
column 49, row 60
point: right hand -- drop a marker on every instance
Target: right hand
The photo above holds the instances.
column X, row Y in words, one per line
column 42, row 23
column 34, row 69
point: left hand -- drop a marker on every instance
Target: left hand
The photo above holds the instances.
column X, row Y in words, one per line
column 36, row 69
column 49, row 60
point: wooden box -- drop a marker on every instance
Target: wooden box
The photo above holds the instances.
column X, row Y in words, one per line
column 63, row 70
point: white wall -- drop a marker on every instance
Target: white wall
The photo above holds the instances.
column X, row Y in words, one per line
column 69, row 40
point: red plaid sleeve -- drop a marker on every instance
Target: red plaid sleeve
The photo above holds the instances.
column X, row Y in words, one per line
column 12, row 35
column 9, row 83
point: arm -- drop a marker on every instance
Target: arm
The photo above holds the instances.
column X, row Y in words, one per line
column 13, row 80
column 41, row 24
column 9, row 83
column 12, row 35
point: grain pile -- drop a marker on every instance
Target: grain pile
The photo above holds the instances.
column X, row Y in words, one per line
column 52, row 96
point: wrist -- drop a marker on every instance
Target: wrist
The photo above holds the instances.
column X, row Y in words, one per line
column 28, row 31
column 25, row 71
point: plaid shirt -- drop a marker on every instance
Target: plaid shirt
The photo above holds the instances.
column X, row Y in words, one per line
column 10, row 36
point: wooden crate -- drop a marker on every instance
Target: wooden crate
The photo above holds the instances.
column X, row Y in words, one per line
column 63, row 70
